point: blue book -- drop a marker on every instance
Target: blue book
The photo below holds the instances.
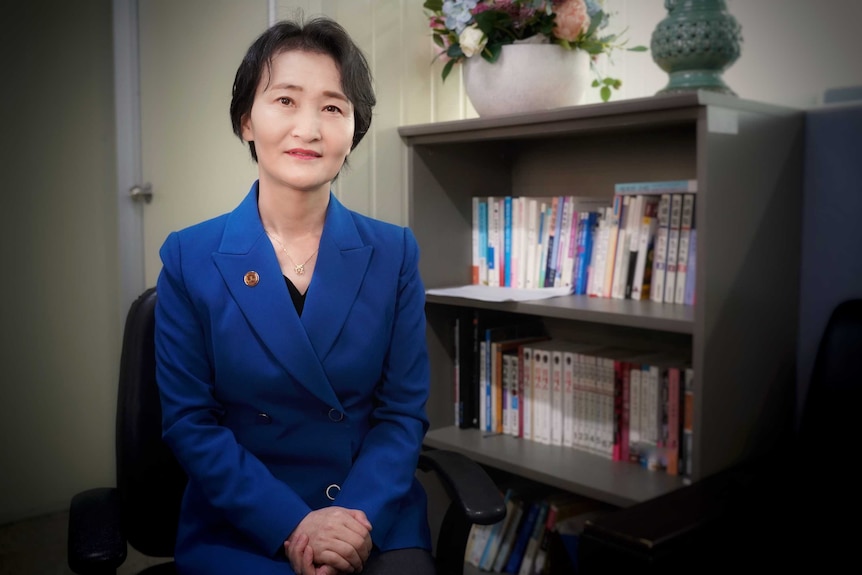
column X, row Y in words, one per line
column 656, row 187
column 507, row 241
column 691, row 266
column 526, row 529
column 553, row 240
column 585, row 253
column 483, row 241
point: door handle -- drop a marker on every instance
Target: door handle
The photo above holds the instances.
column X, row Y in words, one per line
column 142, row 193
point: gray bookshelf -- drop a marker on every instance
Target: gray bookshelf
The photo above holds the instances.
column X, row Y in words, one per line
column 740, row 334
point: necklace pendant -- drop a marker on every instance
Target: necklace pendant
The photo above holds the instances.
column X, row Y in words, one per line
column 299, row 270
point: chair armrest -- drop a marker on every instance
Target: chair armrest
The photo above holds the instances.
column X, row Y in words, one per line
column 466, row 484
column 96, row 541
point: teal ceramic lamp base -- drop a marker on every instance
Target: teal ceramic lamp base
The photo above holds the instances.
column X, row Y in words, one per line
column 690, row 80
column 695, row 44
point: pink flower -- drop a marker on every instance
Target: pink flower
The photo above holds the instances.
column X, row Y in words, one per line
column 572, row 19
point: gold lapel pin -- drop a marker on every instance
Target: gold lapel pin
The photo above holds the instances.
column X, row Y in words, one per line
column 251, row 278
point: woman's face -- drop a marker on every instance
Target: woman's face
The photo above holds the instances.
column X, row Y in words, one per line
column 301, row 122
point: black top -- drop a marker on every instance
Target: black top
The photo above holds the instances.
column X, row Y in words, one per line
column 298, row 298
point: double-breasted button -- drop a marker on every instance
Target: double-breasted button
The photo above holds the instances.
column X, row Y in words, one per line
column 332, row 491
column 251, row 278
column 264, row 418
column 335, row 415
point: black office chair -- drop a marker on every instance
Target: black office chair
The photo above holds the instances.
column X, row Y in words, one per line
column 143, row 510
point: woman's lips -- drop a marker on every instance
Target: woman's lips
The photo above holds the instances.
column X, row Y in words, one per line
column 303, row 154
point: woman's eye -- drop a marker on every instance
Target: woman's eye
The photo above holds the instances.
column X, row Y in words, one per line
column 331, row 108
column 284, row 100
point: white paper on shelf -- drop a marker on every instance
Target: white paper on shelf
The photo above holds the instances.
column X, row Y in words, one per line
column 491, row 293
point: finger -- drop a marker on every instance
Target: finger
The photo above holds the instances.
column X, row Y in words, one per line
column 360, row 516
column 307, row 561
column 295, row 548
column 343, row 556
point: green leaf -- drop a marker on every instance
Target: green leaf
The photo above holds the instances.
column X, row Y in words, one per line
column 637, row 49
column 605, row 93
column 433, row 5
column 439, row 41
column 594, row 23
column 447, row 68
column 595, row 84
column 454, row 51
column 492, row 53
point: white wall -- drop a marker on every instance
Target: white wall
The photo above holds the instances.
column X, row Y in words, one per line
column 59, row 338
column 59, row 335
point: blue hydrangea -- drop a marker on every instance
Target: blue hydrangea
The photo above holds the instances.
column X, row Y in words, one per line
column 458, row 14
column 593, row 8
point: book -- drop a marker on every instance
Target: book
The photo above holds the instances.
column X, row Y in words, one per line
column 507, row 536
column 611, row 249
column 659, row 269
column 482, row 206
column 687, row 425
column 646, row 239
column 495, row 535
column 686, row 221
column 525, row 529
column 691, row 268
column 532, row 547
column 633, row 229
column 490, row 398
column 474, row 269
column 672, row 248
column 621, row 258
column 657, row 187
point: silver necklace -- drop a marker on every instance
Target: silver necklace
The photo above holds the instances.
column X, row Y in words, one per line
column 298, row 269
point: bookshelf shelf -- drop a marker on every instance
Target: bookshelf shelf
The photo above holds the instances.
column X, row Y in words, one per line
column 741, row 333
column 627, row 313
column 615, row 482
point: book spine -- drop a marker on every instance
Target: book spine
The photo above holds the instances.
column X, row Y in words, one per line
column 659, row 271
column 688, row 423
column 656, row 187
column 474, row 268
column 483, row 241
column 691, row 268
column 568, row 398
column 526, row 410
column 557, row 397
column 506, row 278
column 542, row 397
column 672, row 248
column 686, row 218
column 673, row 421
column 513, row 564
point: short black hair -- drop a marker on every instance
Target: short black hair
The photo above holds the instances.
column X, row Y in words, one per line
column 319, row 35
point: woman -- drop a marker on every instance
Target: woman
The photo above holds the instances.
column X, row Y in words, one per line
column 290, row 340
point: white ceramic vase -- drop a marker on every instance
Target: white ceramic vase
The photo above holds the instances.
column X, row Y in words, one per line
column 527, row 78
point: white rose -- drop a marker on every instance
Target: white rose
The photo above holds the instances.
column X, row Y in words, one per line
column 472, row 40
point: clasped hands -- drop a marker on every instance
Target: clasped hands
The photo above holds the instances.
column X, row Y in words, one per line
column 330, row 541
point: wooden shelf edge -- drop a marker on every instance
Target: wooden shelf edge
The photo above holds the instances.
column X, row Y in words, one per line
column 643, row 315
column 615, row 482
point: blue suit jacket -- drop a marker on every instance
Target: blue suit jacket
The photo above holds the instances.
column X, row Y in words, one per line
column 265, row 410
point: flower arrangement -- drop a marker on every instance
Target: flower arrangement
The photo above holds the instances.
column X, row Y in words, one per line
column 468, row 28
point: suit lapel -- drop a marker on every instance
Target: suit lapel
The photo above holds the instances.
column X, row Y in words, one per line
column 267, row 305
column 338, row 274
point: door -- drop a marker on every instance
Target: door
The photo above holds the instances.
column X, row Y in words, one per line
column 188, row 156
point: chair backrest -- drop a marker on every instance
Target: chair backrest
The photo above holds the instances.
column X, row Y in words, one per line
column 149, row 479
column 836, row 380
